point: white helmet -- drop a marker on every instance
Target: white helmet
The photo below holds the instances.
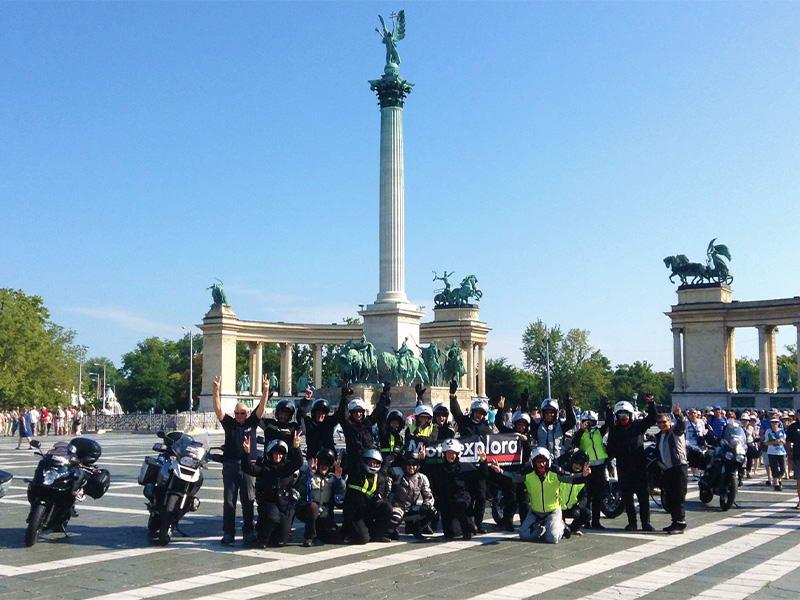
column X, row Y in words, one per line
column 549, row 403
column 356, row 404
column 589, row 415
column 276, row 445
column 479, row 404
column 423, row 409
column 452, row 445
column 521, row 416
column 540, row 451
column 623, row 406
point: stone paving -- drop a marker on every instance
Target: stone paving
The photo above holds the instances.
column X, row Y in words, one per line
column 750, row 552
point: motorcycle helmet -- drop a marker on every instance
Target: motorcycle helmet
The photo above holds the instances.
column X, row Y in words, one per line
column 320, row 405
column 286, row 406
column 369, row 458
column 589, row 415
column 395, row 415
column 549, row 404
column 326, row 457
column 540, row 451
column 410, row 458
column 520, row 416
column 452, row 445
column 423, row 409
column 441, row 409
column 578, row 457
column 623, row 406
column 479, row 404
column 275, row 445
column 356, row 404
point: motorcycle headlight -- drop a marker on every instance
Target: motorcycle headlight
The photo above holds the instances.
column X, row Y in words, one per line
column 188, row 461
column 729, row 455
column 50, row 476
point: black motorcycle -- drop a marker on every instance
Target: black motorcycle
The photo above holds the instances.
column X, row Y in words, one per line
column 655, row 474
column 64, row 474
column 171, row 481
column 722, row 468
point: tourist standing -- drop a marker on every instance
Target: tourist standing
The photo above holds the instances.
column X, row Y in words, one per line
column 33, row 417
column 775, row 439
column 24, row 428
column 236, row 483
column 59, row 427
column 671, row 445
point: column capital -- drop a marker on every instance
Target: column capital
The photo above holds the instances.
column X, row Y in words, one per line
column 391, row 89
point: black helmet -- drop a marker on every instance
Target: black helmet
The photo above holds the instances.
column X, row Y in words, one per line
column 441, row 409
column 395, row 415
column 410, row 458
column 320, row 404
column 326, row 456
column 287, row 405
column 579, row 457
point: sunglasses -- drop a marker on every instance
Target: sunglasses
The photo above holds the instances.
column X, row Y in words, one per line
column 661, row 422
column 240, row 412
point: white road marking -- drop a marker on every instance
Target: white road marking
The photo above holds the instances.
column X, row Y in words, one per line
column 555, row 579
column 122, row 511
column 657, row 579
column 752, row 580
column 10, row 571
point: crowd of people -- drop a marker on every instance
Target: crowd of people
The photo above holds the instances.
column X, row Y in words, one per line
column 26, row 423
column 386, row 477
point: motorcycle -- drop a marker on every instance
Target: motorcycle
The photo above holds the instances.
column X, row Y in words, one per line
column 655, row 473
column 65, row 474
column 171, row 481
column 722, row 469
column 5, row 482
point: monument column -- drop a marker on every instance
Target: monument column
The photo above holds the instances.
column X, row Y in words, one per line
column 797, row 356
column 317, row 348
column 256, row 387
column 286, row 369
column 730, row 358
column 482, row 369
column 470, row 364
column 772, row 343
column 763, row 359
column 677, row 353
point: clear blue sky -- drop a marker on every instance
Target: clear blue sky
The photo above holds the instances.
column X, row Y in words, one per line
column 558, row 151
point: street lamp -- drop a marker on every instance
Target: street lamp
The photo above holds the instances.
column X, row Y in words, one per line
column 191, row 372
column 104, row 383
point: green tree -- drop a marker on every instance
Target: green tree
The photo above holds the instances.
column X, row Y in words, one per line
column 748, row 367
column 38, row 358
column 504, row 379
column 576, row 367
column 152, row 376
column 629, row 381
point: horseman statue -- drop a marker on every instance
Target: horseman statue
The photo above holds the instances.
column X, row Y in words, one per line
column 459, row 297
column 715, row 270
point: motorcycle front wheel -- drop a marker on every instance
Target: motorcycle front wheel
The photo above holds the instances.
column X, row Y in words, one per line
column 169, row 514
column 728, row 495
column 611, row 503
column 35, row 523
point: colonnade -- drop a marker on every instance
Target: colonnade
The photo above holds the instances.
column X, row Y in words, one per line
column 475, row 364
column 285, row 374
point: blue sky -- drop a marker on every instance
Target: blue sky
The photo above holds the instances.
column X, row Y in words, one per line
column 557, row 150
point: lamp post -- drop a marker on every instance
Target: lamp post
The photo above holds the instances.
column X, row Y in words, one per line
column 191, row 371
column 104, row 383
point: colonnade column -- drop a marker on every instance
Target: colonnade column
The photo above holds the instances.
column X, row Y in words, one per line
column 797, row 356
column 773, row 358
column 317, row 376
column 286, row 369
column 730, row 359
column 677, row 351
column 482, row 369
column 763, row 359
column 256, row 366
column 470, row 365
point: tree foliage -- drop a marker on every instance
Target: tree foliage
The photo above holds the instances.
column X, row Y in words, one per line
column 38, row 359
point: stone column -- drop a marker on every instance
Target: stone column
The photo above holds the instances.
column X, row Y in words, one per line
column 773, row 358
column 797, row 356
column 763, row 359
column 252, row 370
column 470, row 365
column 677, row 352
column 259, row 370
column 391, row 90
column 482, row 369
column 317, row 349
column 286, row 369
column 730, row 357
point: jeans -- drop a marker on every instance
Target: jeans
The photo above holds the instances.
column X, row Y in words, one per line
column 236, row 485
column 547, row 526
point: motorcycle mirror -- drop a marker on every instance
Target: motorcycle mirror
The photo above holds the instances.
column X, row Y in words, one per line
column 160, row 434
column 158, row 447
column 36, row 443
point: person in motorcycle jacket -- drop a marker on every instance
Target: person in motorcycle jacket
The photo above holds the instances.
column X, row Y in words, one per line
column 543, row 483
column 282, row 427
column 366, row 508
column 473, row 425
column 520, row 425
column 549, row 431
column 408, row 489
column 390, row 438
column 457, row 482
column 589, row 439
column 423, row 431
column 319, row 483
column 432, row 465
column 357, row 426
column 276, row 474
column 626, row 443
column 441, row 418
column 671, row 444
column 573, row 492
column 319, row 426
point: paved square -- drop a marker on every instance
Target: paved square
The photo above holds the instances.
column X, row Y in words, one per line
column 752, row 552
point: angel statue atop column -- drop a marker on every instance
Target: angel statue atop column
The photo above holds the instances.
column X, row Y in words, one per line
column 390, row 38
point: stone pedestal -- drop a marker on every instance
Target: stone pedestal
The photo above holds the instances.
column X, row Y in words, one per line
column 219, row 354
column 404, row 397
column 388, row 325
column 704, row 293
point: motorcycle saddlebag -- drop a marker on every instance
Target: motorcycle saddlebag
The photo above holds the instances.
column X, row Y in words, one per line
column 98, row 483
column 697, row 459
column 149, row 470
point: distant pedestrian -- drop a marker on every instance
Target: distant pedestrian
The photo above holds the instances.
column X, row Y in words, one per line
column 24, row 428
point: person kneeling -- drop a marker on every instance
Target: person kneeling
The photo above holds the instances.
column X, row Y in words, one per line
column 574, row 498
column 319, row 483
column 543, row 483
column 276, row 474
column 407, row 489
column 366, row 511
